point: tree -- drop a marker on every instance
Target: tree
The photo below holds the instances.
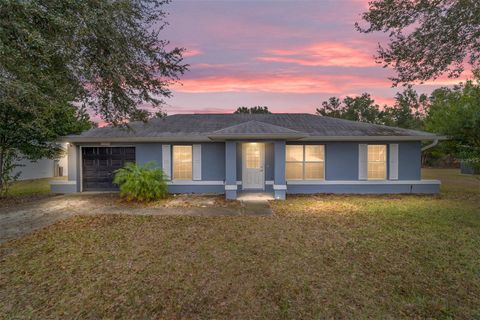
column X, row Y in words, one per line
column 426, row 38
column 107, row 55
column 456, row 114
column 30, row 132
column 140, row 115
column 361, row 108
column 59, row 58
column 252, row 110
column 409, row 110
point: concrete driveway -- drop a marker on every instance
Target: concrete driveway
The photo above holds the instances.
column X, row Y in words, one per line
column 20, row 220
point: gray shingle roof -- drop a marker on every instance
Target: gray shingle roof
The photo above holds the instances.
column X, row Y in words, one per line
column 254, row 128
column 199, row 127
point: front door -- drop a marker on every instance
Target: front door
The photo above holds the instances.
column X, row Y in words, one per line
column 253, row 163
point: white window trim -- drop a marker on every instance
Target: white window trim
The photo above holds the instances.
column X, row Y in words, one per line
column 304, row 161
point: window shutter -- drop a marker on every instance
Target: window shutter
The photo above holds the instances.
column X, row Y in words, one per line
column 197, row 162
column 167, row 160
column 362, row 161
column 393, row 161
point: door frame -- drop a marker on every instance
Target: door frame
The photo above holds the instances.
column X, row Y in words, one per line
column 262, row 167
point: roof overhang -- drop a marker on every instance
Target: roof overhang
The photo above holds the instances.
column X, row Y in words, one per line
column 373, row 138
column 203, row 138
column 80, row 139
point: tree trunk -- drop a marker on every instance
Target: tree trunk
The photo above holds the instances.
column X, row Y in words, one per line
column 2, row 158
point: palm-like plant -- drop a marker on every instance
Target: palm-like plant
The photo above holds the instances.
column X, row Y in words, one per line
column 141, row 182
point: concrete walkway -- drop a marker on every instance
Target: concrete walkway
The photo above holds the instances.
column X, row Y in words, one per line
column 23, row 219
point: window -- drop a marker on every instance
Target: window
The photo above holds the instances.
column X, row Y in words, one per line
column 377, row 162
column 305, row 162
column 182, row 162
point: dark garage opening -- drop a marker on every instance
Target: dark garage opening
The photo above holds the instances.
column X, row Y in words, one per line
column 99, row 164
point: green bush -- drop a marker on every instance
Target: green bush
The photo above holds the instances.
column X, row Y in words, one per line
column 141, row 182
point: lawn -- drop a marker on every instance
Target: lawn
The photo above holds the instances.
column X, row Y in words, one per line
column 317, row 257
column 27, row 191
column 29, row 187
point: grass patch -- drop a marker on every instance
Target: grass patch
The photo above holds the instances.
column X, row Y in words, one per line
column 27, row 191
column 29, row 187
column 317, row 257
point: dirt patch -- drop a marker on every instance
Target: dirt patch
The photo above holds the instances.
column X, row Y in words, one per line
column 20, row 218
column 12, row 201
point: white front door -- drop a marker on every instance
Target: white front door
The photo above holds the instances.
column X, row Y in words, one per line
column 253, row 164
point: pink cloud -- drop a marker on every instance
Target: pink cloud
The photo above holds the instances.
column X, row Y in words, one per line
column 192, row 53
column 279, row 83
column 324, row 54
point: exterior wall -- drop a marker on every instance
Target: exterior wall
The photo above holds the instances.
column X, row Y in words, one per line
column 63, row 186
column 409, row 160
column 73, row 163
column 42, row 168
column 366, row 188
column 222, row 169
column 341, row 159
column 146, row 152
column 341, row 172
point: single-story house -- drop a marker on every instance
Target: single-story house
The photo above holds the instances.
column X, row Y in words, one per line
column 233, row 153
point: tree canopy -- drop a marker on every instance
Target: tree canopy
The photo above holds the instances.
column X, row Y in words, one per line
column 59, row 58
column 408, row 111
column 426, row 38
column 361, row 108
column 456, row 113
column 251, row 110
column 106, row 55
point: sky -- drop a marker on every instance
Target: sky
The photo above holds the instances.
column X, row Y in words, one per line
column 287, row 55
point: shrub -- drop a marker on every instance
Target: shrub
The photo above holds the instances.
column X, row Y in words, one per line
column 141, row 182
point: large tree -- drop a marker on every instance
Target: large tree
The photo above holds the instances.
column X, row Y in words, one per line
column 408, row 111
column 427, row 38
column 361, row 108
column 61, row 56
column 456, row 114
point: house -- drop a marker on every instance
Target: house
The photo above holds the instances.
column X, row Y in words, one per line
column 41, row 168
column 233, row 153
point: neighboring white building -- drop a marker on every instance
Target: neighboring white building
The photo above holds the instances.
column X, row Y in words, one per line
column 43, row 168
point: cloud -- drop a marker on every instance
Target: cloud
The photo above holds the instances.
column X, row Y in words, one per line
column 279, row 83
column 192, row 53
column 337, row 54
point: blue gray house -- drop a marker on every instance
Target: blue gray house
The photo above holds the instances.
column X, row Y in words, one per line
column 233, row 153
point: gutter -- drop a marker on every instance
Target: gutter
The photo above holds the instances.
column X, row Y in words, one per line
column 431, row 145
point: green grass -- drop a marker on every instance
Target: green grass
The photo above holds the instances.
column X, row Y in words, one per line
column 29, row 187
column 398, row 256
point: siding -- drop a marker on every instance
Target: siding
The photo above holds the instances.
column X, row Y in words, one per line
column 42, row 168
column 341, row 165
column 341, row 159
column 409, row 160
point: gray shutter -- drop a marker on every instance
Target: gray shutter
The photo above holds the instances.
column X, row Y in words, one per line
column 167, row 160
column 197, row 162
column 393, row 161
column 362, row 161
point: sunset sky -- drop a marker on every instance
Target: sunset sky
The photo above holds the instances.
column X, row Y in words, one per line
column 287, row 55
